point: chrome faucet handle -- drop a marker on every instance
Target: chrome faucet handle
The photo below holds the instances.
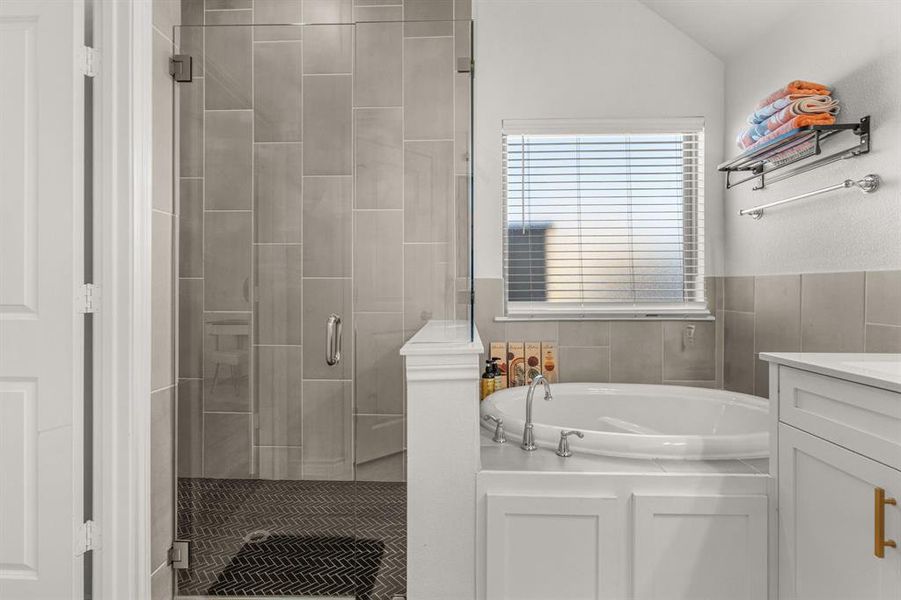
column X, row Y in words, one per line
column 499, row 436
column 563, row 447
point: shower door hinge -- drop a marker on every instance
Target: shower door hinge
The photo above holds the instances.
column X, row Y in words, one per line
column 180, row 554
column 87, row 537
column 90, row 61
column 88, row 299
column 181, row 67
column 465, row 64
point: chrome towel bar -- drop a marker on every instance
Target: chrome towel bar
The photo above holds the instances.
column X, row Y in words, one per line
column 868, row 185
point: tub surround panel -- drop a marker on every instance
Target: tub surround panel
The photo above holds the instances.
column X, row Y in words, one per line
column 824, row 312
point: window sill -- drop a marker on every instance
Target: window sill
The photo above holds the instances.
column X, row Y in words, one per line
column 617, row 316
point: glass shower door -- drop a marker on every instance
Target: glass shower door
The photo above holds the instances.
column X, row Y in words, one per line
column 322, row 171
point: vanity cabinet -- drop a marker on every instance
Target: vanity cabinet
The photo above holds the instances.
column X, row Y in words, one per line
column 838, row 442
column 828, row 522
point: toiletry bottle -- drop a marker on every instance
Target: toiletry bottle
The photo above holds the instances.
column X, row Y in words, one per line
column 486, row 387
column 500, row 377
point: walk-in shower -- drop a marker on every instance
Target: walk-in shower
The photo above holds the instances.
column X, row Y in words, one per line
column 322, row 170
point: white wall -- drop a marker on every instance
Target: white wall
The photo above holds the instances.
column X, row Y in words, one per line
column 843, row 231
column 584, row 59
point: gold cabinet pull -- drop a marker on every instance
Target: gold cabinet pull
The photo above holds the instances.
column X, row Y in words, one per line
column 881, row 542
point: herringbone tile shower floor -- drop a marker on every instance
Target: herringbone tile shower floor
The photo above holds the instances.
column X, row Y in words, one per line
column 325, row 538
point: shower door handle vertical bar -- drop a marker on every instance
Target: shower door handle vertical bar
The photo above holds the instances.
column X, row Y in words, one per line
column 333, row 340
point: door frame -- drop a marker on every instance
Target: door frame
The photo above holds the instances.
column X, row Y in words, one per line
column 122, row 336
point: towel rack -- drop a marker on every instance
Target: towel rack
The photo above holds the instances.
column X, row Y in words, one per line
column 868, row 185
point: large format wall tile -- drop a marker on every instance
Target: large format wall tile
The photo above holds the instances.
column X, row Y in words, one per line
column 190, row 228
column 379, row 439
column 268, row 12
column 378, row 71
column 278, row 193
column 428, row 191
column 227, row 260
column 327, row 11
column 327, row 125
column 190, row 328
column 162, row 302
column 584, row 333
column 327, row 430
column 579, row 365
column 883, row 338
column 277, row 86
column 229, row 160
column 279, row 395
column 162, row 477
column 280, row 463
column 686, row 360
column 427, row 278
column 738, row 293
column 428, row 88
column 278, row 317
column 832, row 312
column 328, row 49
column 777, row 322
column 328, row 226
column 738, row 352
column 190, row 128
column 380, row 370
column 379, row 157
column 190, row 428
column 378, row 261
column 228, row 60
column 635, row 355
column 322, row 297
column 883, row 297
column 227, row 362
column 226, row 445
column 428, row 18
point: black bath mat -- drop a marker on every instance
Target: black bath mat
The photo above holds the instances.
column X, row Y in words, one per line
column 288, row 565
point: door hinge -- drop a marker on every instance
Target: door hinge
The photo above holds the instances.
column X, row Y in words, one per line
column 181, row 67
column 88, row 299
column 87, row 537
column 180, row 554
column 90, row 61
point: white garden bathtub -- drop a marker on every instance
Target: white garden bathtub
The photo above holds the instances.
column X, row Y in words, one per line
column 639, row 421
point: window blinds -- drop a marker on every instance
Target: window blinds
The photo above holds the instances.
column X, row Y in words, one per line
column 604, row 222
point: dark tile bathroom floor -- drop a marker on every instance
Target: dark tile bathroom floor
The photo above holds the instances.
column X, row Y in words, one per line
column 254, row 537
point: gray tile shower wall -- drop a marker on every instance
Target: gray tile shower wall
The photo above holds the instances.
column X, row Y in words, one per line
column 818, row 312
column 323, row 169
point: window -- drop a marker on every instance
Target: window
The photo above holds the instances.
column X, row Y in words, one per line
column 604, row 218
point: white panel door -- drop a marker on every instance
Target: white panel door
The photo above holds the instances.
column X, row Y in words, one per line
column 827, row 522
column 700, row 547
column 549, row 547
column 41, row 133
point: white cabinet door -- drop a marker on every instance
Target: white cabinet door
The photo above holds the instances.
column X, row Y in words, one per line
column 41, row 123
column 827, row 522
column 549, row 547
column 700, row 547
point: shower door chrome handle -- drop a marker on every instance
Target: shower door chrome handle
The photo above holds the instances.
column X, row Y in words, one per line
column 333, row 340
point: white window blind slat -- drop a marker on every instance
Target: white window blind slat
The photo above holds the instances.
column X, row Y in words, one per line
column 600, row 221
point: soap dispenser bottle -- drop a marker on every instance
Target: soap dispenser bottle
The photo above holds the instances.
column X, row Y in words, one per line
column 486, row 387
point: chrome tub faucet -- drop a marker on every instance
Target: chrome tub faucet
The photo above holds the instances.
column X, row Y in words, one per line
column 528, row 439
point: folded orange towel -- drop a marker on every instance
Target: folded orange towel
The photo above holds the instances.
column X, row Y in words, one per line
column 798, row 87
column 794, row 123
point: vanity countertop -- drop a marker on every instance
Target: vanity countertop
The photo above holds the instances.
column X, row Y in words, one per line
column 877, row 370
